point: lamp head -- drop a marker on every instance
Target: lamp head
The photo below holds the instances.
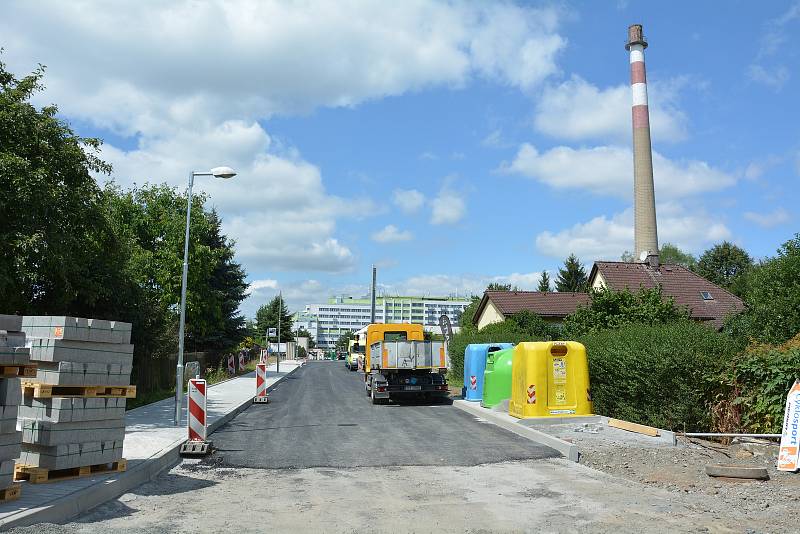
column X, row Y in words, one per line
column 223, row 172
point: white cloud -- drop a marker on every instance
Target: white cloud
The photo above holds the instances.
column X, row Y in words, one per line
column 773, row 77
column 448, row 207
column 144, row 63
column 608, row 170
column 428, row 156
column 606, row 238
column 257, row 285
column 768, row 220
column 458, row 284
column 187, row 84
column 495, row 140
column 391, row 234
column 408, row 200
column 579, row 110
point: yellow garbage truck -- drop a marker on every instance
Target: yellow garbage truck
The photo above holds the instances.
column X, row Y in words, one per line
column 398, row 363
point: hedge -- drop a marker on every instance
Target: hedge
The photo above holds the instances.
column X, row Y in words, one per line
column 660, row 375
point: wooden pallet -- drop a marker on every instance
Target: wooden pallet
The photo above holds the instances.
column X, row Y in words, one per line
column 10, row 493
column 11, row 371
column 46, row 391
column 41, row 475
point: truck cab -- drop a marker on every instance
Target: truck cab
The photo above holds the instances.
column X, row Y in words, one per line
column 355, row 353
column 398, row 362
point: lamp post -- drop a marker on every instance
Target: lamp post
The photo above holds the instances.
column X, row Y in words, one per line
column 217, row 172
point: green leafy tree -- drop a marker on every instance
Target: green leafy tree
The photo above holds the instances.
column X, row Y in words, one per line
column 669, row 253
column 467, row 316
column 57, row 244
column 343, row 342
column 572, row 277
column 544, row 283
column 726, row 265
column 302, row 332
column 267, row 317
column 772, row 297
column 614, row 309
column 497, row 286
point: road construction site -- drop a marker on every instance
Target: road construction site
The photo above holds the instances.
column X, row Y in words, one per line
column 321, row 457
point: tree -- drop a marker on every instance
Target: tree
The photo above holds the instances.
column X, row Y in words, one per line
column 726, row 265
column 343, row 343
column 544, row 283
column 497, row 286
column 267, row 317
column 302, row 332
column 572, row 277
column 467, row 316
column 57, row 243
column 668, row 253
column 613, row 309
column 773, row 298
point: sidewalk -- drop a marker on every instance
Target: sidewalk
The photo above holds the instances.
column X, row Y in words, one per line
column 151, row 445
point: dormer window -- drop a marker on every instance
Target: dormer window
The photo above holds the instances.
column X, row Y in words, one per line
column 706, row 295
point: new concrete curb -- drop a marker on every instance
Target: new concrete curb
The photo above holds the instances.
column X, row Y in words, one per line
column 505, row 421
column 83, row 500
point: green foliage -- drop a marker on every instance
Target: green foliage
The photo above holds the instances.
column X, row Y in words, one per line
column 468, row 315
column 572, row 278
column 668, row 253
column 544, row 283
column 73, row 248
column 757, row 383
column 267, row 317
column 302, row 332
column 522, row 326
column 343, row 343
column 772, row 297
column 497, row 286
column 614, row 309
column 661, row 375
column 726, row 265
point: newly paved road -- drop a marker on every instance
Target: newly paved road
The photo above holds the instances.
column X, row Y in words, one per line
column 320, row 417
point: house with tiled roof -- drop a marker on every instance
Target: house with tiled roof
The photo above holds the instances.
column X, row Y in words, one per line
column 497, row 306
column 706, row 301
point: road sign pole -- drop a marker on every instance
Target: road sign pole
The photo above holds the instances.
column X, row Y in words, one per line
column 280, row 312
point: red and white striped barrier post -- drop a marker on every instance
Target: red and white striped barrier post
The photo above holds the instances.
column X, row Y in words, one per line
column 242, row 361
column 231, row 365
column 261, row 384
column 197, row 444
column 263, row 358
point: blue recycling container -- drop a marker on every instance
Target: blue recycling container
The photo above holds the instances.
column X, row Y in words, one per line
column 474, row 366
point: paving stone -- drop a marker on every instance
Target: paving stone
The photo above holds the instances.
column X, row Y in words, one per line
column 14, row 355
column 71, row 455
column 59, row 350
column 65, row 410
column 10, row 392
column 77, row 329
column 11, row 323
column 48, row 434
column 12, row 339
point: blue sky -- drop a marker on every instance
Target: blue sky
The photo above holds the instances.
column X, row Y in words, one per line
column 452, row 144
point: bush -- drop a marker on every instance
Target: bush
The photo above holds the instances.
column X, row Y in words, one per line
column 753, row 390
column 613, row 309
column 659, row 375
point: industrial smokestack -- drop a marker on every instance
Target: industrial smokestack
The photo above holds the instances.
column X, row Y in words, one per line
column 644, row 198
column 372, row 294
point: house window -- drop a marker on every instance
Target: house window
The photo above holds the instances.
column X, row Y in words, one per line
column 706, row 295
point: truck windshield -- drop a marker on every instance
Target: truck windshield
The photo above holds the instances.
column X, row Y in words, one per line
column 395, row 336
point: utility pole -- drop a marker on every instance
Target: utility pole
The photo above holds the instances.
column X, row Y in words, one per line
column 372, row 313
column 280, row 312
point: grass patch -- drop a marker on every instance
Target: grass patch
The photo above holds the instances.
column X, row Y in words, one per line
column 149, row 398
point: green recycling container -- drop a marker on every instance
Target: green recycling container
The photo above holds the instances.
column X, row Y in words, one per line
column 497, row 377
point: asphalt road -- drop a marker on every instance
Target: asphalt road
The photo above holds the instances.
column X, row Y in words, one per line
column 320, row 417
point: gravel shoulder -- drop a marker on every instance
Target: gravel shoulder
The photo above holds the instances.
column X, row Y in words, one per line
column 552, row 495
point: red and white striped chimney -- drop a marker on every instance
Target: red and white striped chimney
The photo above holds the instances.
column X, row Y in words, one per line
column 644, row 198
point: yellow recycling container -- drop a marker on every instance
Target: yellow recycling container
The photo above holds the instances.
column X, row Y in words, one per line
column 550, row 379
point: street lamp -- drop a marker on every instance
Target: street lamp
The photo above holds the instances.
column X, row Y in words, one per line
column 217, row 172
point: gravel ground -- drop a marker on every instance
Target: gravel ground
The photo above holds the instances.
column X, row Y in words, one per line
column 552, row 495
column 681, row 470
